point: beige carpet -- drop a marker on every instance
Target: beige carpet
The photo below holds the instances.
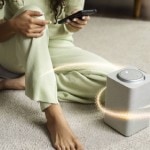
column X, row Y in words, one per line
column 123, row 42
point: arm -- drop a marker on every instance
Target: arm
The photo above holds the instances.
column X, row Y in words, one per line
column 6, row 31
column 26, row 24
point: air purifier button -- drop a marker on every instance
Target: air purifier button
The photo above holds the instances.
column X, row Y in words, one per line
column 131, row 75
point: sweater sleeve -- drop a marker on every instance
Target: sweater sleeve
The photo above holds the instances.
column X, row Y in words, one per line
column 72, row 5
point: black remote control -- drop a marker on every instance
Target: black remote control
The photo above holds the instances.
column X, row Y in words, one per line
column 79, row 15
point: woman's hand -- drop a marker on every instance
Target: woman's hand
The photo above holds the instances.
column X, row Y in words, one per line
column 77, row 24
column 28, row 24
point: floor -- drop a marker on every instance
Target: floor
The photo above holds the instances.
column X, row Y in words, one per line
column 22, row 124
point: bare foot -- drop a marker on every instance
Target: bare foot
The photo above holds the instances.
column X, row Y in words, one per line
column 62, row 137
column 13, row 84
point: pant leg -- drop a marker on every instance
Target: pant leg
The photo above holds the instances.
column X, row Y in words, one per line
column 5, row 74
column 79, row 86
column 84, row 74
column 31, row 55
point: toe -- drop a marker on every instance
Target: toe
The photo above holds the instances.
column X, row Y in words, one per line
column 57, row 147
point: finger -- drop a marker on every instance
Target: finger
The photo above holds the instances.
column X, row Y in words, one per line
column 79, row 21
column 34, row 13
column 39, row 30
column 87, row 18
column 39, row 22
column 76, row 25
column 34, row 35
column 73, row 28
column 34, row 26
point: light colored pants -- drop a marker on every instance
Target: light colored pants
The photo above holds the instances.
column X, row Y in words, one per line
column 41, row 60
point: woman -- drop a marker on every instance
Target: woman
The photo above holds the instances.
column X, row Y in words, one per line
column 32, row 46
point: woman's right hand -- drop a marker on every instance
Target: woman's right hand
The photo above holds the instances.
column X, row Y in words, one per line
column 28, row 24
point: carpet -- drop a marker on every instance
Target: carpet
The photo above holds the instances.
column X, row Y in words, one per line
column 22, row 124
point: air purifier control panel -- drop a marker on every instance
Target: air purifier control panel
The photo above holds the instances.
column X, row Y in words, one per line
column 131, row 75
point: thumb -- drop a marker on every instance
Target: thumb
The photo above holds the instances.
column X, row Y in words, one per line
column 34, row 13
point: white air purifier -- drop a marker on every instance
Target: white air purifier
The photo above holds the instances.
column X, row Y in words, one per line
column 126, row 97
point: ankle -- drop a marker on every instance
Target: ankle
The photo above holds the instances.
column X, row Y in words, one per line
column 53, row 112
column 13, row 84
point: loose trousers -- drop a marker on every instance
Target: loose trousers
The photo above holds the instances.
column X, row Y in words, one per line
column 54, row 69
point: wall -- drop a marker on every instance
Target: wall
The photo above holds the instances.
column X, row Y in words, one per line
column 119, row 8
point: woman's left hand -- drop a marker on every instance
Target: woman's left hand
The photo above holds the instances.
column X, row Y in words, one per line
column 76, row 24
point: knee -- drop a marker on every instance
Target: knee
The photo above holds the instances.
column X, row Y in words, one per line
column 29, row 16
column 26, row 37
column 30, row 8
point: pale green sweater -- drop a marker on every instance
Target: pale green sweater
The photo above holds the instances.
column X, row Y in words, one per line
column 56, row 31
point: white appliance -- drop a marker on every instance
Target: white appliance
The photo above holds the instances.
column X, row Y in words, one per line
column 127, row 95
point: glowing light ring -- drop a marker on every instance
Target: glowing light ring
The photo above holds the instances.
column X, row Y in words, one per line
column 79, row 66
column 121, row 115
